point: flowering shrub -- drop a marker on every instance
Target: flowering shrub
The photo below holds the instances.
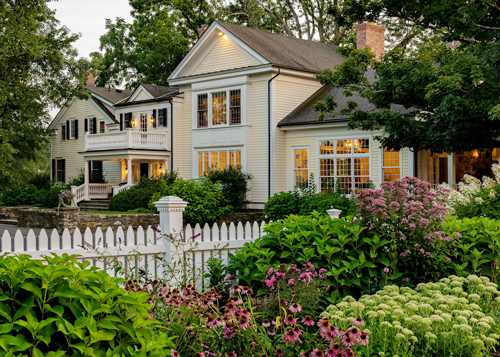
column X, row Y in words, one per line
column 203, row 329
column 409, row 214
column 475, row 198
column 66, row 196
column 454, row 317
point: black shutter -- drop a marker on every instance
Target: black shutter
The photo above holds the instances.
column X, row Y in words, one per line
column 63, row 162
column 165, row 117
column 86, row 125
column 128, row 119
column 94, row 123
column 99, row 167
column 67, row 129
column 121, row 122
column 54, row 169
column 76, row 128
column 154, row 117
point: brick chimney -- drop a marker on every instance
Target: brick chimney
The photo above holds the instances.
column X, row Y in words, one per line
column 90, row 79
column 372, row 35
column 202, row 30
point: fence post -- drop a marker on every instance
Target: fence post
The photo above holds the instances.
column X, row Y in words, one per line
column 334, row 213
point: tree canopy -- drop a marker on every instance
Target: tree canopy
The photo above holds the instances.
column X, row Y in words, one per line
column 38, row 71
column 454, row 85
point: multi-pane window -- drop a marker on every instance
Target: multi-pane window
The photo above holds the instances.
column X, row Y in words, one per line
column 391, row 165
column 102, row 127
column 91, row 125
column 202, row 110
column 72, row 127
column 219, row 107
column 344, row 164
column 235, row 106
column 300, row 168
column 217, row 160
column 63, row 132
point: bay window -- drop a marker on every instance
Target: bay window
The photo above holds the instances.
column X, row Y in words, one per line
column 391, row 165
column 217, row 160
column 219, row 108
column 344, row 164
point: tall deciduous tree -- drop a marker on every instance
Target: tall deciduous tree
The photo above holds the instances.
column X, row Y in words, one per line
column 454, row 88
column 38, row 71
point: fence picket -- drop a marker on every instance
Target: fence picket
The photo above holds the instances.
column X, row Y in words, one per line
column 31, row 241
column 77, row 239
column 239, row 231
column 141, row 237
column 248, row 231
column 6, row 242
column 54, row 240
column 43, row 241
column 66, row 240
column 232, row 232
column 120, row 237
column 261, row 231
column 255, row 230
column 130, row 237
column 18, row 242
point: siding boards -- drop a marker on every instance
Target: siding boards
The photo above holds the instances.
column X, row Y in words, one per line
column 375, row 162
column 223, row 56
column 258, row 142
column 183, row 142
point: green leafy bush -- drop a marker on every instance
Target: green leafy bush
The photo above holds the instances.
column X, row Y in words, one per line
column 51, row 197
column 455, row 317
column 65, row 308
column 206, row 200
column 22, row 194
column 131, row 199
column 94, row 177
column 41, row 180
column 352, row 258
column 305, row 200
column 234, row 185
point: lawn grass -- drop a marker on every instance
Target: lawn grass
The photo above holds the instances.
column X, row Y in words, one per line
column 104, row 212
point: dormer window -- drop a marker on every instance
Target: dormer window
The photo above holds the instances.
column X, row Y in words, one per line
column 219, row 108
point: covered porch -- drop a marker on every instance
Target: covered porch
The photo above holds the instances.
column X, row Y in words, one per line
column 135, row 164
column 451, row 168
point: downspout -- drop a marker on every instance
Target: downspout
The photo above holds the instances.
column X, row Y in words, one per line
column 269, row 132
column 171, row 136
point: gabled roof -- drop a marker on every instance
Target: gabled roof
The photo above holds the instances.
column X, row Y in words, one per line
column 112, row 95
column 106, row 111
column 160, row 91
column 285, row 51
column 305, row 115
column 157, row 93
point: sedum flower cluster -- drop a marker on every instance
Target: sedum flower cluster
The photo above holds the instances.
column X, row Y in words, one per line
column 473, row 194
column 453, row 317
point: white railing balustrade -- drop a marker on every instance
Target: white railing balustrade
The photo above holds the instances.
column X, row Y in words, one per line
column 118, row 189
column 128, row 139
column 78, row 192
column 100, row 190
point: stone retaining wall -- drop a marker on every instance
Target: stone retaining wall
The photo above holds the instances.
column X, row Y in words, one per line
column 243, row 217
column 71, row 219
column 11, row 212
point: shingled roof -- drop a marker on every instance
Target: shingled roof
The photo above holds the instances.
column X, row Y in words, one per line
column 110, row 94
column 161, row 92
column 285, row 51
column 104, row 109
column 305, row 115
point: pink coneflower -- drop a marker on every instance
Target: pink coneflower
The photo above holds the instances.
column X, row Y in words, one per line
column 330, row 352
column 271, row 333
column 175, row 353
column 230, row 307
column 353, row 332
column 211, row 322
column 336, row 347
column 290, row 320
column 297, row 329
column 279, row 352
column 243, row 322
column 332, row 334
column 348, row 353
column 295, row 307
column 210, row 352
column 231, row 354
column 290, row 336
column 347, row 341
column 317, row 353
column 358, row 321
column 324, row 324
column 179, row 313
column 266, row 323
column 199, row 354
column 308, row 321
column 228, row 334
column 363, row 339
column 305, row 354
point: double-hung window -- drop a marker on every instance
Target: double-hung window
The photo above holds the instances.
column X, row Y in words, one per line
column 344, row 164
column 102, row 127
column 219, row 108
column 300, row 168
column 218, row 160
column 391, row 165
column 63, row 132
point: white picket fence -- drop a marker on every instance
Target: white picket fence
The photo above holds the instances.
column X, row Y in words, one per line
column 140, row 249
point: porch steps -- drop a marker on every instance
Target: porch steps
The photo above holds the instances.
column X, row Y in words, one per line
column 8, row 222
column 94, row 205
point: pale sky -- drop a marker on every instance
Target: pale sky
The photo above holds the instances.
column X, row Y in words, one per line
column 87, row 17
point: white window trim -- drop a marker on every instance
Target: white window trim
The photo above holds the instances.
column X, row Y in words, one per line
column 71, row 125
column 65, row 132
column 382, row 164
column 293, row 164
column 90, row 121
column 209, row 93
column 99, row 126
column 341, row 137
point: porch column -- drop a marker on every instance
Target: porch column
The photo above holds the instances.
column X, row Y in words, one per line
column 451, row 170
column 165, row 166
column 87, row 180
column 129, row 172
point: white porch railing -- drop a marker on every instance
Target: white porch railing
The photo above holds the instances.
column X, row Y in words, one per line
column 78, row 192
column 129, row 139
column 436, row 185
column 100, row 190
column 118, row 189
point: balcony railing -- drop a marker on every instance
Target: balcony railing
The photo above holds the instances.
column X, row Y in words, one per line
column 129, row 139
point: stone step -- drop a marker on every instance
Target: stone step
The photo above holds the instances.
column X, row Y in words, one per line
column 8, row 222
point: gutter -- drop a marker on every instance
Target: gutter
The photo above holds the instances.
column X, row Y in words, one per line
column 171, row 135
column 269, row 133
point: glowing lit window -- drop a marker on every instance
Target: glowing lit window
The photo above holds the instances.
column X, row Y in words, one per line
column 300, row 168
column 391, row 165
